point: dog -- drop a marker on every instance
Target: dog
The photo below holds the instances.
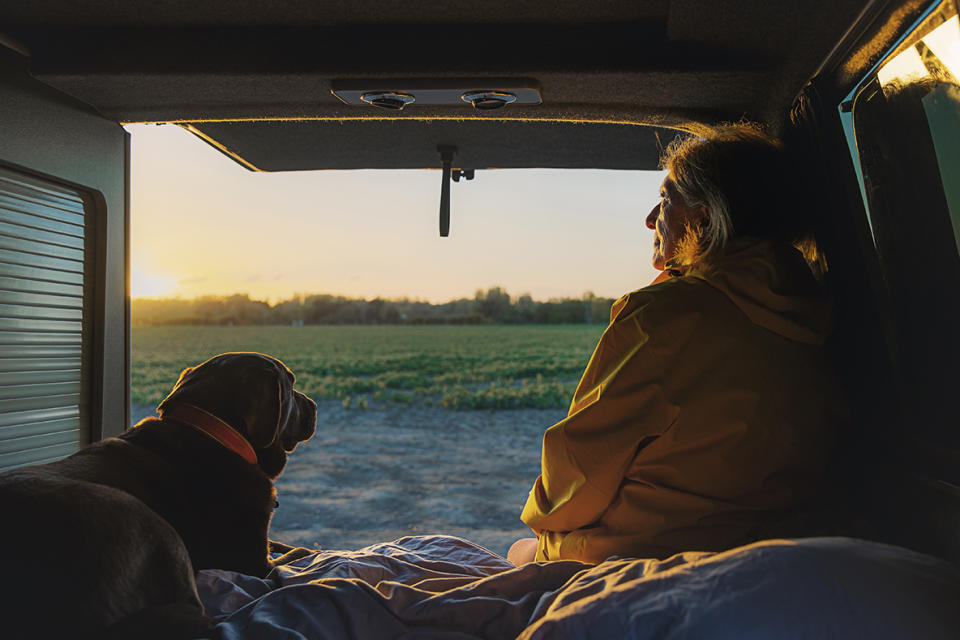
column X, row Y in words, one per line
column 105, row 543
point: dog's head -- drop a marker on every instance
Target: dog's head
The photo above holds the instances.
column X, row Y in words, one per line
column 254, row 394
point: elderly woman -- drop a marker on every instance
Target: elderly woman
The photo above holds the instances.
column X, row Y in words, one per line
column 708, row 408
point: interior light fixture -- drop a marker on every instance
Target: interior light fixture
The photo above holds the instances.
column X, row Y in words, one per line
column 397, row 93
column 394, row 100
column 488, row 100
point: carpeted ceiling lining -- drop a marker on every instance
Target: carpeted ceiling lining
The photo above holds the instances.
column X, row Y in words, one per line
column 666, row 63
column 194, row 97
column 412, row 144
column 327, row 12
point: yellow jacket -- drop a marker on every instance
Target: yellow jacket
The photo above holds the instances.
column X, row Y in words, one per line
column 707, row 406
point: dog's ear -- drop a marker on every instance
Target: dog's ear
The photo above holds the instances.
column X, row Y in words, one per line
column 244, row 389
column 263, row 419
column 176, row 388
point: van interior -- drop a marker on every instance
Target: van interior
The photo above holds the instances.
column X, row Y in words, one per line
column 464, row 87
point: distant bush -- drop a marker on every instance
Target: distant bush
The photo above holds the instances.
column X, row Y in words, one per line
column 499, row 395
column 492, row 306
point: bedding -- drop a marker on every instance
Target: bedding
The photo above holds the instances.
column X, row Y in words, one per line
column 446, row 587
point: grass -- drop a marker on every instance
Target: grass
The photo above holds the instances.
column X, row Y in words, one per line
column 459, row 367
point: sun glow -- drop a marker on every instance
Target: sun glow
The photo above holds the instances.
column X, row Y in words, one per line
column 202, row 225
column 146, row 285
column 943, row 42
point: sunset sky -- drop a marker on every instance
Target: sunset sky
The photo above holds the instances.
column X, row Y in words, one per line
column 202, row 224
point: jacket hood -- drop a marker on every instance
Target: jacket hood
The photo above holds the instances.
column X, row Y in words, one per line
column 772, row 284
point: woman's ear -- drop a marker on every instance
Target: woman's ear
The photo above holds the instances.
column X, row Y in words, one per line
column 701, row 217
column 690, row 245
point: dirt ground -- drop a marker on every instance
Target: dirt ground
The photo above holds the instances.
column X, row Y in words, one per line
column 375, row 475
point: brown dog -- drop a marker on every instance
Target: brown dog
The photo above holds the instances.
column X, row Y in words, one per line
column 112, row 534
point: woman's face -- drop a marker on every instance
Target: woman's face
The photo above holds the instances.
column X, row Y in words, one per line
column 669, row 221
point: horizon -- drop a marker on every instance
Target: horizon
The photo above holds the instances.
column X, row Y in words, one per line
column 513, row 297
column 202, row 225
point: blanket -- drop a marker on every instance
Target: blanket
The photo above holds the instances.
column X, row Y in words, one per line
column 445, row 587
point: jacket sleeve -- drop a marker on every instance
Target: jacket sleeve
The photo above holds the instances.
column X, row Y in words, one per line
column 617, row 408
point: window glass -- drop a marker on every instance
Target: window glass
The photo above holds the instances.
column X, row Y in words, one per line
column 935, row 58
column 942, row 108
column 903, row 122
column 914, row 91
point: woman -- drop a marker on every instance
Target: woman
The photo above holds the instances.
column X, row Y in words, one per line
column 707, row 408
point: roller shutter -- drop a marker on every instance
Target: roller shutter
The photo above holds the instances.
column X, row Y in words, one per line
column 43, row 377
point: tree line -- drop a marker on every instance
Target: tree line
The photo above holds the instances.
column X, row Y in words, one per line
column 493, row 306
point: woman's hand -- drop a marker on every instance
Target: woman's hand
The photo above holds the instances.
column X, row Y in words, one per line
column 522, row 551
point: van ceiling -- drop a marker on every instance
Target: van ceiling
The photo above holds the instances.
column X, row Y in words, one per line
column 602, row 69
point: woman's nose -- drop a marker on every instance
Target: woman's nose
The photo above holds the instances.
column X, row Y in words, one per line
column 652, row 217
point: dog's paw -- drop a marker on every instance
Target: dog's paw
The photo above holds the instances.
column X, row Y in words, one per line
column 278, row 547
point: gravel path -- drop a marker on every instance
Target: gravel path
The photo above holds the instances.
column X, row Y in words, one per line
column 375, row 475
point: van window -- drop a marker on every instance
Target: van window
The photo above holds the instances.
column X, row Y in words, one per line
column 903, row 125
column 914, row 95
column 935, row 59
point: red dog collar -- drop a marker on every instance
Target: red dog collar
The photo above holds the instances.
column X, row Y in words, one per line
column 214, row 427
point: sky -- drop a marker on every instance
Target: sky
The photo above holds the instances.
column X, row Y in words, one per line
column 203, row 225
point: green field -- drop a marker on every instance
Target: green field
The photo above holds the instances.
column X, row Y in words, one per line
column 459, row 367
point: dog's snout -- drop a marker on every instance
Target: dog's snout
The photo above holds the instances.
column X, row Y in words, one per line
column 304, row 423
column 310, row 409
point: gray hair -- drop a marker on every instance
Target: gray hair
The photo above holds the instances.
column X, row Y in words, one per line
column 736, row 172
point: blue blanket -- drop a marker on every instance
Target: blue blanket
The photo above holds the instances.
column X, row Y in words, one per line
column 446, row 587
